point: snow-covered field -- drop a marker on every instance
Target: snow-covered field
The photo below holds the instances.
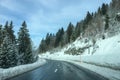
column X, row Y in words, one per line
column 106, row 58
column 13, row 71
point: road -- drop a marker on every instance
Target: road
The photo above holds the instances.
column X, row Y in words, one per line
column 59, row 70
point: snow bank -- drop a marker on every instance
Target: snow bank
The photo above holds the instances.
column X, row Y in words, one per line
column 10, row 72
column 106, row 72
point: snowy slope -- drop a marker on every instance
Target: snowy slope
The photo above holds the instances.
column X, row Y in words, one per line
column 107, row 55
column 10, row 72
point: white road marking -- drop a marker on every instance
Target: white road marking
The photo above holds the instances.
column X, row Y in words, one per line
column 56, row 70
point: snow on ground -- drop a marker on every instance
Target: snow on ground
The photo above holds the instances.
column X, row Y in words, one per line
column 13, row 71
column 108, row 53
column 106, row 72
column 106, row 56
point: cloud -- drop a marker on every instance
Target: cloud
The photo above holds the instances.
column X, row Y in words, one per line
column 49, row 3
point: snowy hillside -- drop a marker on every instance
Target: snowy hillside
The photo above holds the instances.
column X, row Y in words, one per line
column 105, row 53
column 108, row 53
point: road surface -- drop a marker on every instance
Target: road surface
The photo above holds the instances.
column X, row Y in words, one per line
column 59, row 70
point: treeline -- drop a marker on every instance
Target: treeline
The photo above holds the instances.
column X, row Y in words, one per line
column 15, row 51
column 94, row 25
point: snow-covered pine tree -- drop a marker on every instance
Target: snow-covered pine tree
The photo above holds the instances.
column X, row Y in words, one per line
column 69, row 31
column 2, row 58
column 42, row 46
column 106, row 22
column 9, row 29
column 5, row 29
column 24, row 45
column 72, row 37
column 8, row 53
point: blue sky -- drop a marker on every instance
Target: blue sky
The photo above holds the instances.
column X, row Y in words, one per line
column 43, row 16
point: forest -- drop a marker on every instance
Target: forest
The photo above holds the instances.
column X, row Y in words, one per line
column 15, row 51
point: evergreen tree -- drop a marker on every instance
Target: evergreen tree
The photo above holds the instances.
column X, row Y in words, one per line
column 52, row 41
column 48, row 39
column 59, row 37
column 73, row 37
column 6, row 25
column 2, row 57
column 106, row 22
column 99, row 11
column 62, row 31
column 11, row 32
column 9, row 29
column 8, row 53
column 24, row 44
column 5, row 29
column 42, row 47
column 65, row 39
column 77, row 30
column 104, row 9
column 69, row 31
column 57, row 40
column 88, row 18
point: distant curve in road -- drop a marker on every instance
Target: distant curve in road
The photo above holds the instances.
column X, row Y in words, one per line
column 59, row 70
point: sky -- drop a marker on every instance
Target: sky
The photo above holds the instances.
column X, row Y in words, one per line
column 45, row 16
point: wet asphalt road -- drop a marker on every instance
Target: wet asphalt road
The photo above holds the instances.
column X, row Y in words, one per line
column 59, row 70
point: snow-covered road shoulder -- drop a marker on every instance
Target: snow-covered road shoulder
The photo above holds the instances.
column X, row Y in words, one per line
column 10, row 72
column 106, row 72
